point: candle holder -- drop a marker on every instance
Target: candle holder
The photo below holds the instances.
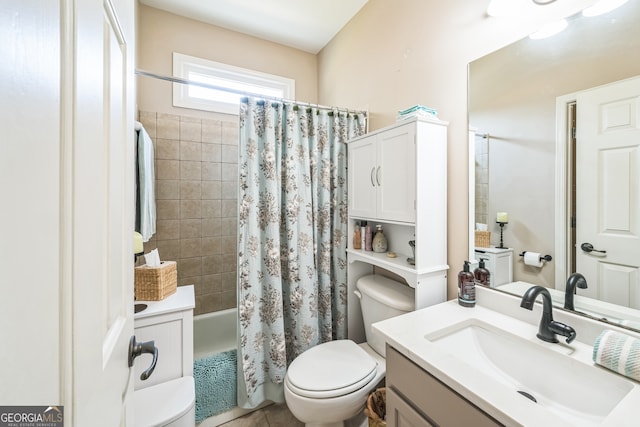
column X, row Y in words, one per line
column 501, row 224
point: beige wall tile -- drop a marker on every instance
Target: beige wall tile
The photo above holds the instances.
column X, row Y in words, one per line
column 190, row 267
column 229, row 281
column 229, row 244
column 211, row 246
column 229, row 208
column 229, row 261
column 169, row 250
column 230, row 154
column 229, row 299
column 190, row 150
column 229, row 190
column 211, row 171
column 190, row 228
column 230, row 133
column 196, row 281
column 230, row 172
column 168, row 229
column 190, row 248
column 190, row 190
column 190, row 170
column 212, row 264
column 148, row 120
column 190, row 130
column 211, row 208
column 210, row 283
column 168, row 149
column 211, row 190
column 207, row 303
column 190, row 209
column 211, row 227
column 211, row 131
column 168, row 189
column 167, row 169
column 167, row 209
column 168, row 126
column 229, row 226
column 211, row 152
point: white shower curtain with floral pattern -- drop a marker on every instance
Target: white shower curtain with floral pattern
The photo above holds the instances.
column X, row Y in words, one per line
column 292, row 285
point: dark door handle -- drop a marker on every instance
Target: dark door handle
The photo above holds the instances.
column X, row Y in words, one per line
column 588, row 247
column 137, row 348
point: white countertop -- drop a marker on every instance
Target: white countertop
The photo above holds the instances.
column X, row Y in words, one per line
column 182, row 299
column 406, row 334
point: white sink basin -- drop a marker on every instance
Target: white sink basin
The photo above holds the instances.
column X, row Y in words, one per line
column 576, row 392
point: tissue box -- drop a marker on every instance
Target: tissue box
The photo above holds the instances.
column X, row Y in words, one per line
column 156, row 283
column 482, row 239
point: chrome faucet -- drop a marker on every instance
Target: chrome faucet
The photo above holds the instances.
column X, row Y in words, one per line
column 575, row 280
column 548, row 327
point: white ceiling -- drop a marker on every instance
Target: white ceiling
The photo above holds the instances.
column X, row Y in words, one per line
column 303, row 24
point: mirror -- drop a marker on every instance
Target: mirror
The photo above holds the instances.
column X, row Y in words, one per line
column 512, row 109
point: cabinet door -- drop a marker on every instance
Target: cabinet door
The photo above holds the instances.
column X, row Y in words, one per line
column 401, row 414
column 362, row 184
column 396, row 174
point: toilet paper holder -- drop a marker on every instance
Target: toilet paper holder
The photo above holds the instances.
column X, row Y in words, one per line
column 542, row 257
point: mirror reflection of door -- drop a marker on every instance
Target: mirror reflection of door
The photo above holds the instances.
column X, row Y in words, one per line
column 607, row 160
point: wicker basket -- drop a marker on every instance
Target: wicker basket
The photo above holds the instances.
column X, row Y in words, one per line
column 156, row 283
column 376, row 408
column 482, row 239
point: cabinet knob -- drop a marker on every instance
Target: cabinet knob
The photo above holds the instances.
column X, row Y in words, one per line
column 378, row 176
column 373, row 169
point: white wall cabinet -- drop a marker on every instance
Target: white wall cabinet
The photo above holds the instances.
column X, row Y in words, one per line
column 398, row 178
column 383, row 175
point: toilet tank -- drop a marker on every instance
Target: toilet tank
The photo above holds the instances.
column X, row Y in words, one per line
column 382, row 298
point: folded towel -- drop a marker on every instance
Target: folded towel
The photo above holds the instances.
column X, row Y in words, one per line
column 618, row 352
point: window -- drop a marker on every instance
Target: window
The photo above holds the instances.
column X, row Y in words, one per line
column 226, row 76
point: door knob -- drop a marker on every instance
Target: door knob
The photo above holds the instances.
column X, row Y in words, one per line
column 588, row 247
column 137, row 348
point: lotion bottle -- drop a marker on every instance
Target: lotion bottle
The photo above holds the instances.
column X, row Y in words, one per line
column 482, row 275
column 466, row 287
column 357, row 236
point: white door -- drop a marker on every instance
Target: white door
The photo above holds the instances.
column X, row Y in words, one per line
column 608, row 194
column 396, row 174
column 98, row 181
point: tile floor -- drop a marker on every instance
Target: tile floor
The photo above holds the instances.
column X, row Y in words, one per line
column 276, row 415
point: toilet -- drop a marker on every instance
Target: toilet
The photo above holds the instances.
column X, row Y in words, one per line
column 329, row 383
column 167, row 398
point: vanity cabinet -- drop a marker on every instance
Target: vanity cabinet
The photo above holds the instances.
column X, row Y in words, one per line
column 382, row 175
column 397, row 178
column 416, row 398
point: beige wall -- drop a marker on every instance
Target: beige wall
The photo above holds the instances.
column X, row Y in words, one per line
column 161, row 33
column 395, row 54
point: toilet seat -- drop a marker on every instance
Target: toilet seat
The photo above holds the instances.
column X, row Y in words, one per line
column 331, row 369
column 164, row 403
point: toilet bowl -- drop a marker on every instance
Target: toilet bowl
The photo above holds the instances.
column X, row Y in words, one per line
column 167, row 397
column 168, row 404
column 329, row 383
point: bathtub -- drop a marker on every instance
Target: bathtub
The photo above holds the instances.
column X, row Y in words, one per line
column 215, row 333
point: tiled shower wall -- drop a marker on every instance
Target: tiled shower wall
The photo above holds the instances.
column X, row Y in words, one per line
column 482, row 180
column 196, row 203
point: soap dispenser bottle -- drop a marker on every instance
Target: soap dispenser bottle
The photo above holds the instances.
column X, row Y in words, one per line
column 482, row 275
column 466, row 287
column 379, row 241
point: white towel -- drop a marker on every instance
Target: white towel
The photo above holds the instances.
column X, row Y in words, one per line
column 618, row 352
column 146, row 183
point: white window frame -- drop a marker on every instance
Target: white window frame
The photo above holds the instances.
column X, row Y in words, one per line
column 255, row 82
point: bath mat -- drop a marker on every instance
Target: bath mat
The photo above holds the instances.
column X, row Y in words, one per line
column 215, row 378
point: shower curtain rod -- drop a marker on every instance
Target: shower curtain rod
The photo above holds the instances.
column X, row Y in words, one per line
column 239, row 92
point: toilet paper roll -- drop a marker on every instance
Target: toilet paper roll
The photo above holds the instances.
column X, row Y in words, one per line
column 533, row 259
